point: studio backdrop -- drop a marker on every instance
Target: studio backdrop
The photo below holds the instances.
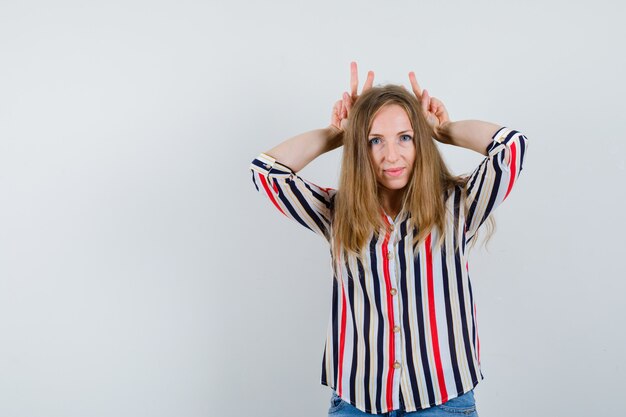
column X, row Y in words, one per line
column 142, row 274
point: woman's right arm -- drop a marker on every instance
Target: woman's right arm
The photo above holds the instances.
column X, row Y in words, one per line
column 274, row 171
column 274, row 174
column 297, row 152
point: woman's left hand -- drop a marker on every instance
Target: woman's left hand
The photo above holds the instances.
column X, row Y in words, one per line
column 434, row 110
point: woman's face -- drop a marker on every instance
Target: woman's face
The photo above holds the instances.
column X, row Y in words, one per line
column 392, row 149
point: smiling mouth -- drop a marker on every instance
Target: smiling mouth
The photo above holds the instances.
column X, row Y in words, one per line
column 394, row 172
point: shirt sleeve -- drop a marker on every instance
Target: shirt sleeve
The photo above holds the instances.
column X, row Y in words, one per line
column 296, row 198
column 490, row 184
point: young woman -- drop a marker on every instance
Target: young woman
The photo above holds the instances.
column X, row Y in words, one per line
column 402, row 337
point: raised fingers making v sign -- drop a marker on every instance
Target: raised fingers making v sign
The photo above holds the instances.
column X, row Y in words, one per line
column 341, row 109
column 433, row 108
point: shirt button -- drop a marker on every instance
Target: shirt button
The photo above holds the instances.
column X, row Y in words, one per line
column 390, row 255
column 396, row 365
column 393, row 291
column 396, row 329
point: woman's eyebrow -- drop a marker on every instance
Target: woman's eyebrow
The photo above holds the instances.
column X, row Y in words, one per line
column 399, row 133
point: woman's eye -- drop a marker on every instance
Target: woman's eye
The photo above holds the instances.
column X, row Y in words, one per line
column 374, row 141
column 406, row 138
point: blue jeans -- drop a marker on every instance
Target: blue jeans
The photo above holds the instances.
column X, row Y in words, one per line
column 462, row 406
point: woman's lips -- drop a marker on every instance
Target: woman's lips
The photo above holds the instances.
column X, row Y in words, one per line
column 394, row 172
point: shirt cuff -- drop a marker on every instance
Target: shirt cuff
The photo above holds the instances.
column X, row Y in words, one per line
column 265, row 164
column 500, row 139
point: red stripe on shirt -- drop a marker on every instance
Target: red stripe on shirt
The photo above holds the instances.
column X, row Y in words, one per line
column 392, row 358
column 512, row 168
column 269, row 193
column 477, row 338
column 342, row 329
column 433, row 320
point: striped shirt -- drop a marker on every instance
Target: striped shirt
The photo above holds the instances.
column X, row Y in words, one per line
column 402, row 331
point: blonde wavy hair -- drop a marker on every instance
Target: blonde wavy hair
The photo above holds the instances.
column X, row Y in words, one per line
column 358, row 211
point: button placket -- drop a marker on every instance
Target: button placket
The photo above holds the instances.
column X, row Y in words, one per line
column 395, row 272
column 396, row 327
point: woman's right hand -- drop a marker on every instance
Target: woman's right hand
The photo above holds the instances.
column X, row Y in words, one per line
column 341, row 109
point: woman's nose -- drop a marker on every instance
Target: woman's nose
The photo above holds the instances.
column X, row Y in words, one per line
column 392, row 152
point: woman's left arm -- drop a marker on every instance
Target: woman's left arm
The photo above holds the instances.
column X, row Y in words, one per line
column 470, row 134
column 504, row 150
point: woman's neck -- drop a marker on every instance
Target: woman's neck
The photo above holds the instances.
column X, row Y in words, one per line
column 391, row 202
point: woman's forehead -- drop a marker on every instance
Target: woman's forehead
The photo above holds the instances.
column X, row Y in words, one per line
column 390, row 117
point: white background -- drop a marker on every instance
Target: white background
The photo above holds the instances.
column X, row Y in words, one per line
column 141, row 274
